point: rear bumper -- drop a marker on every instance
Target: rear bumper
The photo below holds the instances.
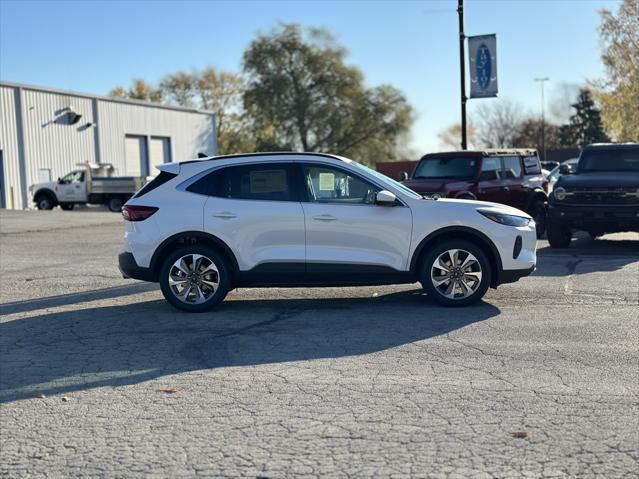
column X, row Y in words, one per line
column 513, row 275
column 130, row 269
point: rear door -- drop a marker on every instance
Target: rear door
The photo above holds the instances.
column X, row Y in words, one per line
column 346, row 232
column 515, row 195
column 255, row 210
column 490, row 185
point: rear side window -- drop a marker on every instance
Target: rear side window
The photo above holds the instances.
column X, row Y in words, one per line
column 159, row 180
column 490, row 169
column 532, row 166
column 270, row 182
column 512, row 167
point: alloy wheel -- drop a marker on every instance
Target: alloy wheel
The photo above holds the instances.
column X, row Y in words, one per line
column 456, row 274
column 194, row 278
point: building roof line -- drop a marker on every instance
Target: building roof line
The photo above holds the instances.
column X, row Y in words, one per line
column 26, row 86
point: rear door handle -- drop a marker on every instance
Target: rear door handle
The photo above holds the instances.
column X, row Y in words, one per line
column 324, row 218
column 224, row 215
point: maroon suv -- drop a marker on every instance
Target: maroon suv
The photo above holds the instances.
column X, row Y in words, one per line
column 511, row 177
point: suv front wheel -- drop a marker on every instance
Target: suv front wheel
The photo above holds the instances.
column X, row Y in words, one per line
column 455, row 273
column 195, row 278
column 559, row 235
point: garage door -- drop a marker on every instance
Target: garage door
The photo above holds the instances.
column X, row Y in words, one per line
column 159, row 153
column 135, row 155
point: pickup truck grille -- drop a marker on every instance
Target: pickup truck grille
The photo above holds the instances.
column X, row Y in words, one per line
column 604, row 196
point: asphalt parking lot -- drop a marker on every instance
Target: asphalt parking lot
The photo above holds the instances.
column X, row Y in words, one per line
column 99, row 377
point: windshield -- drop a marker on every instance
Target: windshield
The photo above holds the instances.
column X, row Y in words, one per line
column 446, row 167
column 385, row 179
column 609, row 159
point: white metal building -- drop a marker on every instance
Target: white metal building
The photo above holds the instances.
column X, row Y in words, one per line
column 45, row 132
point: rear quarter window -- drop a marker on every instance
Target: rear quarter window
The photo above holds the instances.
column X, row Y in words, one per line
column 159, row 180
column 532, row 165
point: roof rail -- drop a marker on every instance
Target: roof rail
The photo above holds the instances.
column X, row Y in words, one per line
column 266, row 153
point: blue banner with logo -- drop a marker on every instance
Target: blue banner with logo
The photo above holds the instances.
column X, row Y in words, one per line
column 482, row 52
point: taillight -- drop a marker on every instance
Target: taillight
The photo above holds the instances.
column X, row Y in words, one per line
column 137, row 213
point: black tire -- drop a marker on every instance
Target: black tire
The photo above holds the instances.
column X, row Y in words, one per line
column 435, row 292
column 44, row 201
column 115, row 204
column 539, row 212
column 67, row 206
column 559, row 235
column 223, row 276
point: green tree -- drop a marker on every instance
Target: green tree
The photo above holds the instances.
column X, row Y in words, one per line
column 585, row 124
column 619, row 93
column 302, row 96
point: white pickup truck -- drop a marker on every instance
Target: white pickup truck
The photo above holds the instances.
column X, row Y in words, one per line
column 91, row 183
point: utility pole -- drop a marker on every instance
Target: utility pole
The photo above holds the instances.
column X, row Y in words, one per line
column 543, row 118
column 462, row 71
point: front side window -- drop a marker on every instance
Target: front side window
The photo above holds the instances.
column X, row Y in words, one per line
column 463, row 167
column 512, row 167
column 73, row 177
column 332, row 185
column 490, row 169
column 268, row 182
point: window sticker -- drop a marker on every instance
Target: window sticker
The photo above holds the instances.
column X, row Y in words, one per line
column 268, row 181
column 327, row 181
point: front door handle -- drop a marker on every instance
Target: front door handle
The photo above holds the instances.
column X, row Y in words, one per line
column 324, row 218
column 224, row 215
column 505, row 188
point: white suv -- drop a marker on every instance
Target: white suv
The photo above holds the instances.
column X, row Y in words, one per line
column 204, row 227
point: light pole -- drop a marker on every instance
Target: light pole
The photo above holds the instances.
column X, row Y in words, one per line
column 462, row 71
column 543, row 119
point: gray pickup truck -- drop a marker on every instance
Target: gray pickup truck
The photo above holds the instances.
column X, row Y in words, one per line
column 91, row 183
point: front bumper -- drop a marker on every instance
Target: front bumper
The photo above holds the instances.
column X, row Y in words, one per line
column 130, row 269
column 513, row 275
column 623, row 218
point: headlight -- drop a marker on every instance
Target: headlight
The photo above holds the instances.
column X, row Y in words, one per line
column 560, row 193
column 504, row 219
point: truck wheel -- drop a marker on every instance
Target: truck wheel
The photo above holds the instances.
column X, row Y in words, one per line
column 455, row 273
column 44, row 201
column 538, row 211
column 115, row 204
column 67, row 206
column 195, row 278
column 559, row 235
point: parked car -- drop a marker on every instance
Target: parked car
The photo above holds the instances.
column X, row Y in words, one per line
column 555, row 173
column 511, row 177
column 602, row 196
column 92, row 183
column 201, row 228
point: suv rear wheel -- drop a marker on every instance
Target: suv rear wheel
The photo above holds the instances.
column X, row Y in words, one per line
column 194, row 278
column 559, row 235
column 455, row 273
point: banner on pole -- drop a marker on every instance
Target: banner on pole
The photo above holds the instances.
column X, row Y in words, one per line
column 482, row 53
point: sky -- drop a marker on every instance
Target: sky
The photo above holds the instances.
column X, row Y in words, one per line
column 93, row 46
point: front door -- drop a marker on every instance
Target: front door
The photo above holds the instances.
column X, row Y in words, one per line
column 256, row 210
column 72, row 188
column 345, row 230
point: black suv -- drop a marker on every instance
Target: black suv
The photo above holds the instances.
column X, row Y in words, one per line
column 602, row 196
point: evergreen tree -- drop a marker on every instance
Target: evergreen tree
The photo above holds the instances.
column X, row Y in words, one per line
column 585, row 125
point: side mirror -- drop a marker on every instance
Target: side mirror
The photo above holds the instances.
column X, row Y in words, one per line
column 565, row 169
column 60, row 181
column 386, row 198
column 403, row 176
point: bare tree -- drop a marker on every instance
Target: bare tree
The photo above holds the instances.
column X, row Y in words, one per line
column 450, row 138
column 497, row 124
